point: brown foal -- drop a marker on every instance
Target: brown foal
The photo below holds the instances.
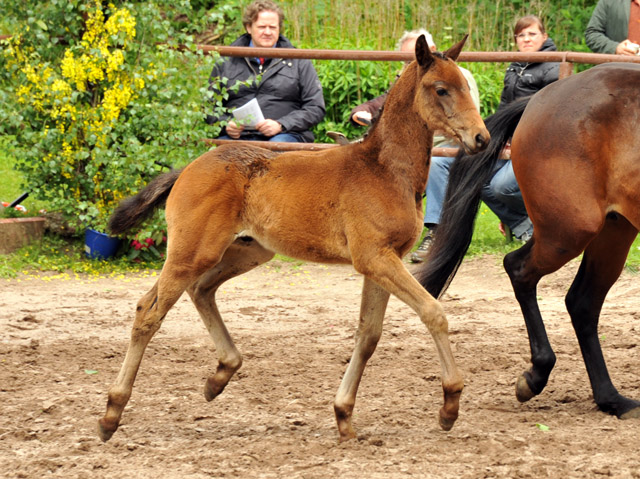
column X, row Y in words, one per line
column 234, row 207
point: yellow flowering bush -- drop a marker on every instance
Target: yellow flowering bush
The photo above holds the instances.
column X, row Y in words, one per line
column 101, row 112
column 78, row 105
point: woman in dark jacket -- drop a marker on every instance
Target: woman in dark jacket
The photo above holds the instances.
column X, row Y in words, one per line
column 288, row 91
column 502, row 194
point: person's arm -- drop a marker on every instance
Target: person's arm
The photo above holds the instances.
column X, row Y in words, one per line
column 311, row 111
column 551, row 74
column 595, row 33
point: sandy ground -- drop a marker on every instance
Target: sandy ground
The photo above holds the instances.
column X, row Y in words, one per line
column 63, row 340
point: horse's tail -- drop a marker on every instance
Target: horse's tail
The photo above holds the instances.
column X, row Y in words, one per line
column 134, row 210
column 468, row 174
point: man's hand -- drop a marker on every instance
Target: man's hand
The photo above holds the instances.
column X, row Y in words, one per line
column 234, row 130
column 627, row 47
column 269, row 127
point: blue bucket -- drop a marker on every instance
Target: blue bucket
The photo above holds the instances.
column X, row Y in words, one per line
column 99, row 245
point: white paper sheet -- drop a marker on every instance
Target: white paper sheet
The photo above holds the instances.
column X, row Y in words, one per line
column 248, row 114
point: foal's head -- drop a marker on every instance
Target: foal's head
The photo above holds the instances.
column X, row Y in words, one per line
column 443, row 100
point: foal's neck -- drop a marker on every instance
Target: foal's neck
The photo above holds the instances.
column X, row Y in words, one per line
column 403, row 139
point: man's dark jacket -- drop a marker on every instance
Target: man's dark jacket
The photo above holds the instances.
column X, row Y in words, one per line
column 289, row 91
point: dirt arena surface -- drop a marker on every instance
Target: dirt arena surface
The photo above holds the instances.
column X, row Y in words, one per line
column 63, row 340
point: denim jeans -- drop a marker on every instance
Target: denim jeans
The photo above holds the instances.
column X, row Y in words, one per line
column 436, row 188
column 503, row 196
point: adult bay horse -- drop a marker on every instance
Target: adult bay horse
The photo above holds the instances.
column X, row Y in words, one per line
column 234, row 207
column 576, row 156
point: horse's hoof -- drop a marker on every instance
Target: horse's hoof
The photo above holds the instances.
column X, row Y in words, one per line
column 446, row 422
column 632, row 414
column 523, row 391
column 212, row 389
column 105, row 432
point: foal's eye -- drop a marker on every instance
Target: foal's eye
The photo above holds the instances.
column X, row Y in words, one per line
column 442, row 92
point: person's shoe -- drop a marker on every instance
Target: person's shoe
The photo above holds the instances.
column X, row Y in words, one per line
column 338, row 137
column 524, row 237
column 420, row 254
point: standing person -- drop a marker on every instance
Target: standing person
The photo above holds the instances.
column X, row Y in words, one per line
column 439, row 169
column 288, row 90
column 502, row 194
column 614, row 27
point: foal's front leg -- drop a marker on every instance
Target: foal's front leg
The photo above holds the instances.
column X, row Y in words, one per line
column 388, row 271
column 372, row 308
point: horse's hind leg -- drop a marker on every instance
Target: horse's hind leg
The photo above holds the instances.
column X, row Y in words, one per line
column 525, row 275
column 372, row 308
column 601, row 266
column 150, row 312
column 242, row 256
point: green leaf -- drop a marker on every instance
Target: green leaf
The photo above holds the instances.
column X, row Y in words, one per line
column 90, row 371
column 542, row 427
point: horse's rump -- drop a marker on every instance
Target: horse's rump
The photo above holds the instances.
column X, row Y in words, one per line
column 578, row 138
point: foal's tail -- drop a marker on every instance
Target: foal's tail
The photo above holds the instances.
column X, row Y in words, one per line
column 468, row 174
column 134, row 210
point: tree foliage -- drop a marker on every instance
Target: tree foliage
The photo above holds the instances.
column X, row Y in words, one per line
column 101, row 111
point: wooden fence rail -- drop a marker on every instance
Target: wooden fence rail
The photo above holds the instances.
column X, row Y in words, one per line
column 566, row 60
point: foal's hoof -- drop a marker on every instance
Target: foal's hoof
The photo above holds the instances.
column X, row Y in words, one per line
column 347, row 436
column 212, row 389
column 447, row 421
column 106, row 429
column 523, row 391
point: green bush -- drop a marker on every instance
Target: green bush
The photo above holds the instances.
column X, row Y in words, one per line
column 102, row 116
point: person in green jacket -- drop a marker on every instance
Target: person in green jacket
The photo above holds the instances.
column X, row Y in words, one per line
column 614, row 27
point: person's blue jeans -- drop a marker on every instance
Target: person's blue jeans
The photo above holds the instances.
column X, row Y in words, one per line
column 503, row 196
column 436, row 188
column 289, row 137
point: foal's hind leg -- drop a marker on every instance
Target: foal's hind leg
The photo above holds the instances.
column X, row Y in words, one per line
column 242, row 256
column 601, row 266
column 150, row 312
column 186, row 261
column 372, row 308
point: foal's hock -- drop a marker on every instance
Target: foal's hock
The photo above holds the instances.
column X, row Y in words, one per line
column 234, row 207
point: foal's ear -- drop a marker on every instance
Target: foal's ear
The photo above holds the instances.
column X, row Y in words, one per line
column 455, row 50
column 423, row 52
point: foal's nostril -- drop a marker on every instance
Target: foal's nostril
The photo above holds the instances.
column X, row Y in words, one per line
column 481, row 142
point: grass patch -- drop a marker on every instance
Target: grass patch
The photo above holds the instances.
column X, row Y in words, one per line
column 64, row 255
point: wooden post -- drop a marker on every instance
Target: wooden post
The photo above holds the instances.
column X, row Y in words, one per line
column 566, row 69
